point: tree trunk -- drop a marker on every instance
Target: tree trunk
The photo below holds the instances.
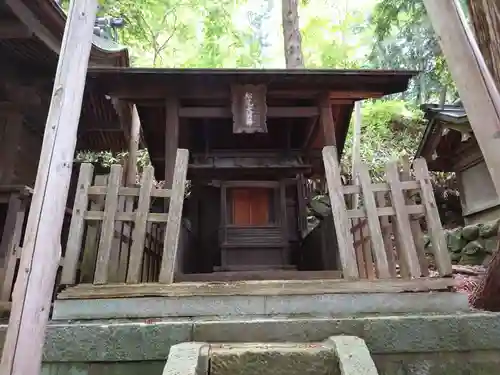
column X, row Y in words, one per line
column 291, row 35
column 485, row 16
column 486, row 295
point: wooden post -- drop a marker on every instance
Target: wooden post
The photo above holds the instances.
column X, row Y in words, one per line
column 356, row 150
column 475, row 84
column 171, row 138
column 133, row 146
column 339, row 212
column 327, row 121
column 41, row 251
column 171, row 241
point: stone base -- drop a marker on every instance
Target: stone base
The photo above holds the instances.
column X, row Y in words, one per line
column 260, row 305
column 440, row 344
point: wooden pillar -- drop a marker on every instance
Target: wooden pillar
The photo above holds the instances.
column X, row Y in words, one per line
column 171, row 138
column 327, row 120
column 475, row 84
column 41, row 252
column 133, row 146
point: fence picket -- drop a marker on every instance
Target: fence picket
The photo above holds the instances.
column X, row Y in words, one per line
column 370, row 206
column 77, row 225
column 386, row 233
column 418, row 235
column 337, row 202
column 439, row 247
column 172, row 232
column 108, row 226
column 139, row 234
column 407, row 253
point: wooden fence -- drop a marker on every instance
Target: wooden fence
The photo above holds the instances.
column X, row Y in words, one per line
column 16, row 201
column 114, row 236
column 368, row 236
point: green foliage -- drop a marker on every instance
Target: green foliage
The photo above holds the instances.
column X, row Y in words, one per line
column 106, row 158
column 404, row 38
column 389, row 129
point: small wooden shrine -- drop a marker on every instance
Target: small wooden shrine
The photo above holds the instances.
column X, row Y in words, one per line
column 247, row 141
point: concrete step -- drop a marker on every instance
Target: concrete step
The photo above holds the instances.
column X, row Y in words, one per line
column 338, row 355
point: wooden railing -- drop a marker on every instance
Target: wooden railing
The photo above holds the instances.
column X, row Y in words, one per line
column 371, row 254
column 118, row 238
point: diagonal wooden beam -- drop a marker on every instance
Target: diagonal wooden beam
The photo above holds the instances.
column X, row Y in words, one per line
column 475, row 84
column 41, row 253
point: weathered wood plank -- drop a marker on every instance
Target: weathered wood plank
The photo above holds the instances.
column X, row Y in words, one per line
column 108, row 226
column 41, row 251
column 380, row 187
column 327, row 121
column 130, row 191
column 257, row 275
column 171, row 138
column 170, row 246
column 439, row 247
column 358, row 246
column 139, row 235
column 341, row 220
column 14, row 222
column 125, row 216
column 407, row 252
column 373, row 222
column 386, row 233
column 91, row 244
column 413, row 209
column 257, row 287
column 476, row 86
column 76, row 228
column 416, row 230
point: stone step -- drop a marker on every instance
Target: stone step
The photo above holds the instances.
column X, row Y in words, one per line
column 338, row 355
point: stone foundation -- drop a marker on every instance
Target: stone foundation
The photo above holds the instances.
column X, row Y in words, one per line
column 442, row 344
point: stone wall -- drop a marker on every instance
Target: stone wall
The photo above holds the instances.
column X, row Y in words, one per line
column 472, row 244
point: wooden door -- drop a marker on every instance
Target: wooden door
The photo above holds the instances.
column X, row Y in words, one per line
column 250, row 206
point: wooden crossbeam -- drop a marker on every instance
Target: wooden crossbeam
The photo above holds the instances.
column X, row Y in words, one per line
column 225, row 112
column 14, row 30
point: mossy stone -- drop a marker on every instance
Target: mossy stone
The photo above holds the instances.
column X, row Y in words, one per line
column 454, row 240
column 489, row 229
column 471, row 232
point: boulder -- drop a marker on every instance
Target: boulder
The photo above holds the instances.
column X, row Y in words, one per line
column 473, row 254
column 471, row 232
column 454, row 240
column 489, row 229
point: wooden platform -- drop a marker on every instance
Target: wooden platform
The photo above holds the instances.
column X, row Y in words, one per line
column 256, row 288
column 318, row 298
column 284, row 274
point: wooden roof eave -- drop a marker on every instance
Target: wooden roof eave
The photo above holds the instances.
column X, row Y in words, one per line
column 46, row 20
